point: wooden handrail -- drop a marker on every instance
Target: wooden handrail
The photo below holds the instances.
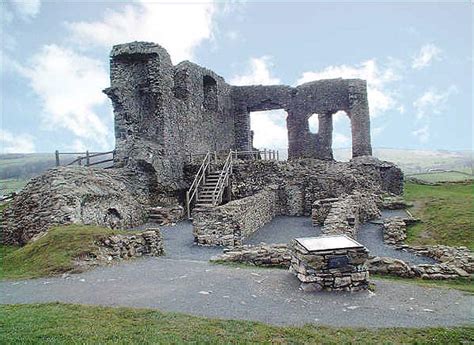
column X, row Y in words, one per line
column 223, row 180
column 200, row 177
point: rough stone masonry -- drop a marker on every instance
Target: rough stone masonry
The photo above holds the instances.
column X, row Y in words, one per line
column 165, row 112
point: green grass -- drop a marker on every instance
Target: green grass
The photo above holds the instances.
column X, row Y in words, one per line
column 52, row 254
column 448, row 176
column 446, row 211
column 12, row 185
column 462, row 284
column 56, row 323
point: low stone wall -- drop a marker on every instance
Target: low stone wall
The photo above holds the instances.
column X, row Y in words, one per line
column 321, row 209
column 399, row 268
column 163, row 215
column 394, row 230
column 229, row 224
column 125, row 246
column 459, row 257
column 272, row 255
column 346, row 215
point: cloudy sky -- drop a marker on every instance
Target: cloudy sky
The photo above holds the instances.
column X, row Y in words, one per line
column 416, row 57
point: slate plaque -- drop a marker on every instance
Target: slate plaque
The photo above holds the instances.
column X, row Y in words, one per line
column 338, row 261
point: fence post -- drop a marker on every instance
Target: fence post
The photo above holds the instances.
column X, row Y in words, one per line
column 57, row 157
column 264, row 154
column 278, row 155
column 87, row 158
column 188, row 210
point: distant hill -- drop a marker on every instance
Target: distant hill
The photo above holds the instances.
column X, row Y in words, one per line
column 17, row 169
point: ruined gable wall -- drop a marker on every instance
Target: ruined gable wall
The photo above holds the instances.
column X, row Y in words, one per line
column 162, row 113
column 322, row 97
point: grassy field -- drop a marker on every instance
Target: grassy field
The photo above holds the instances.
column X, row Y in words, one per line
column 447, row 176
column 11, row 185
column 66, row 323
column 462, row 284
column 52, row 254
column 446, row 211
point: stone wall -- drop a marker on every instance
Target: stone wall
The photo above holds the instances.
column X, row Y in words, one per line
column 394, row 231
column 229, row 224
column 346, row 215
column 267, row 255
column 115, row 198
column 126, row 246
column 302, row 182
column 164, row 112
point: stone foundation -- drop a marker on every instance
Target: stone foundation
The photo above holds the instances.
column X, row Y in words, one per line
column 321, row 209
column 331, row 269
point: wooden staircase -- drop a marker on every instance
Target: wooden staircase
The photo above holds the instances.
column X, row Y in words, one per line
column 205, row 193
column 207, row 189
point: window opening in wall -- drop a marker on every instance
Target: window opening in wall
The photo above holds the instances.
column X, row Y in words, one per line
column 341, row 137
column 210, row 93
column 269, row 131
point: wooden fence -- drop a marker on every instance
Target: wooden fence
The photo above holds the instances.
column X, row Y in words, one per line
column 86, row 158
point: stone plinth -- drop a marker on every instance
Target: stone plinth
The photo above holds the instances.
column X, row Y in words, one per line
column 332, row 263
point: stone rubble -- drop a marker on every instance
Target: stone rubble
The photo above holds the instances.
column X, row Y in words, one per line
column 266, row 255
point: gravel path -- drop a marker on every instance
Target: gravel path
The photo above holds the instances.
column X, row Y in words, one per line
column 283, row 229
column 184, row 281
column 268, row 295
column 371, row 236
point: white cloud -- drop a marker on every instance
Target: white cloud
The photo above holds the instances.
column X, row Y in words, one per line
column 340, row 140
column 269, row 129
column 422, row 133
column 380, row 97
column 427, row 54
column 16, row 143
column 179, row 27
column 26, row 9
column 432, row 102
column 69, row 86
column 258, row 73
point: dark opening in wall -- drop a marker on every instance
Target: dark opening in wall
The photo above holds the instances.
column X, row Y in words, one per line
column 210, row 93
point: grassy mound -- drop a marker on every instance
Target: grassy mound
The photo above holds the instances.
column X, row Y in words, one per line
column 52, row 254
column 446, row 211
column 66, row 323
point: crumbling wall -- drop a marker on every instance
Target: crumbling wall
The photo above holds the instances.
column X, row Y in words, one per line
column 76, row 195
column 322, row 97
column 163, row 112
column 302, row 182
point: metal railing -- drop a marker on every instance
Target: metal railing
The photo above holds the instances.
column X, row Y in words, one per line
column 84, row 158
column 223, row 180
column 200, row 178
